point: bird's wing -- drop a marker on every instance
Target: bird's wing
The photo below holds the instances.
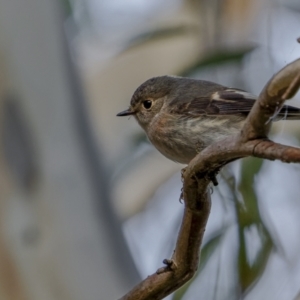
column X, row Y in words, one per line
column 224, row 102
column 229, row 102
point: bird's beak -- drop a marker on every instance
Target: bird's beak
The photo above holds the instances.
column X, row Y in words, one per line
column 126, row 112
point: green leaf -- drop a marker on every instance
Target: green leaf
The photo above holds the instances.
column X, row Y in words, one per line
column 217, row 58
column 248, row 215
column 158, row 34
column 249, row 210
column 250, row 274
column 206, row 252
column 67, row 7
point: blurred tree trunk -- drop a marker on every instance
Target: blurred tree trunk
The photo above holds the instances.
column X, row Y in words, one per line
column 57, row 236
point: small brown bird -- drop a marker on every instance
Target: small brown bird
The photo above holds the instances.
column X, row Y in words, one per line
column 182, row 116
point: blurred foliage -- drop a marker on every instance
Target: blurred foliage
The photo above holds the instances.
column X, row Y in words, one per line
column 218, row 58
column 248, row 215
column 158, row 34
column 67, row 7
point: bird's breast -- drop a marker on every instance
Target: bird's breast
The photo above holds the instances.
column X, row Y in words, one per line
column 171, row 137
column 182, row 138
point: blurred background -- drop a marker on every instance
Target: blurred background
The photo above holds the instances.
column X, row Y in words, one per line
column 88, row 206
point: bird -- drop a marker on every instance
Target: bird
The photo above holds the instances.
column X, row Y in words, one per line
column 182, row 116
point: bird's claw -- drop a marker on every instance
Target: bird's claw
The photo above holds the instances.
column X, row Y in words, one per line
column 213, row 178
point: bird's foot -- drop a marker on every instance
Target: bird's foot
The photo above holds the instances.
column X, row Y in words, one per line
column 213, row 177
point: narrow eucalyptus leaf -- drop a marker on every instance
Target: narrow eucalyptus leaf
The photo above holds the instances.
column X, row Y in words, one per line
column 248, row 214
column 217, row 58
column 250, row 274
column 158, row 34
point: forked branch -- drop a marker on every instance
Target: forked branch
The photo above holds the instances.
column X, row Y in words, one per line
column 252, row 141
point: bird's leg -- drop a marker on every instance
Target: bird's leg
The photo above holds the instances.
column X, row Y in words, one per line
column 213, row 177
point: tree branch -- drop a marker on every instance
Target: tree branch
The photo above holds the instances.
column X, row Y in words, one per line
column 252, row 141
column 281, row 86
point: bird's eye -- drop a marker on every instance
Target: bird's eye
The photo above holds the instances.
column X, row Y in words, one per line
column 147, row 104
